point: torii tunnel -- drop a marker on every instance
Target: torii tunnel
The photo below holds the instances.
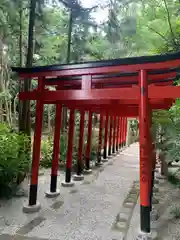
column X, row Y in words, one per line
column 116, row 89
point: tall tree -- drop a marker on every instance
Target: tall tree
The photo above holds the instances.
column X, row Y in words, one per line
column 25, row 124
column 77, row 15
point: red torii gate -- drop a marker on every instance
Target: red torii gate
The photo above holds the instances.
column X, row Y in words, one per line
column 115, row 89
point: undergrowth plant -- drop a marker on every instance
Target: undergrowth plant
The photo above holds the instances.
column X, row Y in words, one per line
column 175, row 212
column 14, row 160
column 47, row 149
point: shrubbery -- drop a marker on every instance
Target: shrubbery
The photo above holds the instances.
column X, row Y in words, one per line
column 47, row 150
column 14, row 160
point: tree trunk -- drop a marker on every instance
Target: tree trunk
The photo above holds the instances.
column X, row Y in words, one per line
column 24, row 124
column 20, row 62
column 20, row 35
column 1, row 81
column 49, row 118
column 68, row 57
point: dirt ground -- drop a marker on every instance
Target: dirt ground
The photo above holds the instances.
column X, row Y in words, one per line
column 168, row 225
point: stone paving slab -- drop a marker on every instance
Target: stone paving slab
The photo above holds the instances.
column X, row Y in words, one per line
column 85, row 211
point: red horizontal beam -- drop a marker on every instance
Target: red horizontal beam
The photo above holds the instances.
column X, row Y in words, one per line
column 93, row 94
column 121, row 103
column 110, row 81
column 103, row 70
column 120, row 111
column 155, row 92
column 164, row 92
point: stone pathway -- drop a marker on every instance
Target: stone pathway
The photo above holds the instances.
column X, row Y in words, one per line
column 86, row 211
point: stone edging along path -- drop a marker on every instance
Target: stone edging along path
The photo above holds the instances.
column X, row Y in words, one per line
column 123, row 218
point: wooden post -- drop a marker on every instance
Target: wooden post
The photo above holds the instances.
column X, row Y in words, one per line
column 114, row 134
column 100, row 139
column 125, row 131
column 110, row 135
column 88, row 147
column 81, row 140
column 69, row 151
column 106, row 136
column 56, row 148
column 33, row 205
column 117, row 136
column 120, row 132
column 144, row 153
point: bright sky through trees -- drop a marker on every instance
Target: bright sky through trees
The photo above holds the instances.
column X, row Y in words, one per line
column 102, row 13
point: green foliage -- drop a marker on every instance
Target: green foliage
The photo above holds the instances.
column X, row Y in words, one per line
column 166, row 131
column 173, row 179
column 63, row 148
column 47, row 151
column 14, row 163
column 94, row 144
column 175, row 212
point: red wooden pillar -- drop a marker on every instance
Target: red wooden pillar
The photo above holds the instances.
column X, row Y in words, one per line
column 117, row 134
column 110, row 135
column 106, row 136
column 114, row 134
column 69, row 151
column 80, row 150
column 33, row 206
column 100, row 139
column 56, row 148
column 125, row 131
column 144, row 158
column 88, row 147
column 117, row 137
column 120, row 132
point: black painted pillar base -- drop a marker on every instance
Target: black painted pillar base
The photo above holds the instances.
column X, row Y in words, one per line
column 113, row 149
column 117, row 148
column 87, row 163
column 79, row 168
column 98, row 157
column 68, row 175
column 53, row 184
column 145, row 219
column 105, row 153
column 33, row 194
column 109, row 150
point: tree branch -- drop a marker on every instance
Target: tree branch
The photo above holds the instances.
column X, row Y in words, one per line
column 76, row 5
column 158, row 33
column 169, row 22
